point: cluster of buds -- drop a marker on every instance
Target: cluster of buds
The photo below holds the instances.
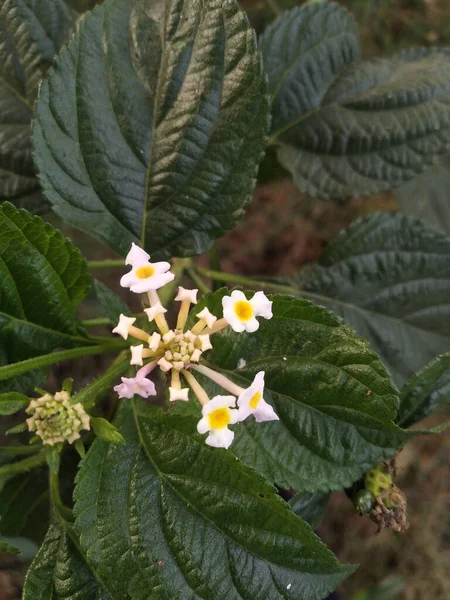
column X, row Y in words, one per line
column 55, row 420
column 178, row 351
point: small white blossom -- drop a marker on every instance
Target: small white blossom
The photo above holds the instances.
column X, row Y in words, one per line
column 207, row 316
column 176, row 394
column 184, row 294
column 164, row 364
column 195, row 356
column 123, row 326
column 251, row 402
column 241, row 363
column 136, row 385
column 217, row 415
column 169, row 336
column 136, row 355
column 144, row 275
column 205, row 342
column 241, row 313
column 154, row 341
column 154, row 311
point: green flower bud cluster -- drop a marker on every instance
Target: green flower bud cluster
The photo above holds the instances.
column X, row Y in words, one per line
column 55, row 420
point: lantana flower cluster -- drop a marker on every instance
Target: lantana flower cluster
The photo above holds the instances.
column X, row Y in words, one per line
column 178, row 351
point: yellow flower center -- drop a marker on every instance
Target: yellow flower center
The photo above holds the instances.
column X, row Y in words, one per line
column 243, row 310
column 145, row 272
column 219, row 418
column 254, row 400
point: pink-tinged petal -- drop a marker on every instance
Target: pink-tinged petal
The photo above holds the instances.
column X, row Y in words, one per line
column 152, row 283
column 264, row 412
column 220, row 438
column 136, row 256
column 161, row 267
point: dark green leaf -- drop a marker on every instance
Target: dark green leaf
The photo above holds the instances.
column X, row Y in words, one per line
column 6, row 548
column 113, row 306
column 166, row 516
column 59, row 572
column 426, row 392
column 12, row 402
column 389, row 277
column 310, row 507
column 346, row 127
column 42, row 279
column 31, row 33
column 334, row 398
column 150, row 126
column 427, row 197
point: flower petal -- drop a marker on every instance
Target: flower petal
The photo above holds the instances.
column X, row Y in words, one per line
column 220, row 438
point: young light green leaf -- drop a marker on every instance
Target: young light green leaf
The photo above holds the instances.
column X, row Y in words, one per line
column 12, row 402
column 389, row 277
column 190, row 521
column 113, row 306
column 345, row 127
column 334, row 398
column 170, row 158
column 106, row 431
column 32, row 33
column 426, row 392
column 42, row 279
column 59, row 572
column 6, row 548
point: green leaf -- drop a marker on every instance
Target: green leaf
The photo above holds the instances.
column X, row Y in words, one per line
column 346, row 127
column 106, row 431
column 310, row 506
column 389, row 277
column 59, row 572
column 42, row 279
column 12, row 402
column 189, row 521
column 31, row 34
column 6, row 548
column 334, row 398
column 150, row 126
column 426, row 392
column 427, row 197
column 113, row 306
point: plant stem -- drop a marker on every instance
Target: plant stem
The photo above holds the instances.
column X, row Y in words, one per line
column 8, row 371
column 19, row 450
column 22, row 466
column 97, row 322
column 55, row 495
column 191, row 271
column 232, row 278
column 94, row 391
column 106, row 264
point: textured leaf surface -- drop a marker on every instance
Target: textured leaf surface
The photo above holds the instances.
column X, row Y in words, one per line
column 426, row 392
column 310, row 507
column 7, row 548
column 165, row 516
column 389, row 277
column 334, row 398
column 171, row 121
column 59, row 572
column 346, row 127
column 31, row 33
column 113, row 306
column 42, row 279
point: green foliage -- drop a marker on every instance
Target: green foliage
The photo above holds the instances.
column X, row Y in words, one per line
column 346, row 127
column 192, row 521
column 171, row 122
column 7, row 548
column 42, row 279
column 12, row 402
column 106, row 431
column 58, row 571
column 334, row 398
column 113, row 306
column 310, row 507
column 389, row 277
column 31, row 33
column 426, row 392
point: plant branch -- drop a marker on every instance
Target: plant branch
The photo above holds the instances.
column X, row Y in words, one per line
column 22, row 466
column 106, row 264
column 232, row 278
column 97, row 322
column 55, row 496
column 191, row 271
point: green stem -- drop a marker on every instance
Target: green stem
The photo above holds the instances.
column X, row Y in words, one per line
column 232, row 278
column 22, row 466
column 94, row 391
column 19, row 450
column 97, row 322
column 191, row 271
column 106, row 264
column 168, row 291
column 46, row 360
column 55, row 495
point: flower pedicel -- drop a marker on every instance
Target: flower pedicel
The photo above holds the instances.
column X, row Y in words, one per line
column 178, row 352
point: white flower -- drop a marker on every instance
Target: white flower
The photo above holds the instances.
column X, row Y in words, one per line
column 164, row 364
column 154, row 341
column 207, row 316
column 144, row 275
column 251, row 402
column 154, row 311
column 123, row 326
column 195, row 356
column 217, row 415
column 136, row 385
column 184, row 294
column 241, row 313
column 136, row 355
column 178, row 394
column 205, row 342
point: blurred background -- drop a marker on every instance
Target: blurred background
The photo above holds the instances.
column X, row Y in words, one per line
column 283, row 231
